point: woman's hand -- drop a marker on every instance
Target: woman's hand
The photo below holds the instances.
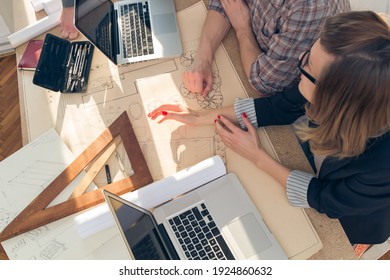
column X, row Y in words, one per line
column 191, row 117
column 175, row 112
column 245, row 143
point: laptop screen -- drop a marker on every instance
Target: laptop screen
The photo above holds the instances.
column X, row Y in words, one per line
column 94, row 19
column 139, row 230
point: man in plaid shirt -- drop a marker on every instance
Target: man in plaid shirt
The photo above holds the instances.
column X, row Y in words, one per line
column 271, row 36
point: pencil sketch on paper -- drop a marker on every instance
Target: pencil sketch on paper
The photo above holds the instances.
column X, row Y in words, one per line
column 36, row 176
column 27, row 172
column 37, row 234
column 214, row 100
column 19, row 245
column 6, row 217
column 53, row 250
column 29, row 182
column 178, row 145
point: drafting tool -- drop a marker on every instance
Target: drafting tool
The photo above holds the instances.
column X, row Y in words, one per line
column 95, row 166
column 122, row 168
column 108, row 173
column 36, row 214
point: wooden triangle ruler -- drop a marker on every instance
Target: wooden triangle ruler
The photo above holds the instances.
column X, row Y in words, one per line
column 36, row 214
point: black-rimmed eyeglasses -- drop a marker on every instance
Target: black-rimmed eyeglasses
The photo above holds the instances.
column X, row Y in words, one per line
column 302, row 63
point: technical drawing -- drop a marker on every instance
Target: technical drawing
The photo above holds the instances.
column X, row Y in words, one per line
column 214, row 99
column 20, row 244
column 5, row 218
column 30, row 182
column 53, row 250
column 37, row 233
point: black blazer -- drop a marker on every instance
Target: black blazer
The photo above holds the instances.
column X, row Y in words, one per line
column 354, row 190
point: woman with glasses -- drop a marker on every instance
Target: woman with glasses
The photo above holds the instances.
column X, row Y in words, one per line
column 342, row 102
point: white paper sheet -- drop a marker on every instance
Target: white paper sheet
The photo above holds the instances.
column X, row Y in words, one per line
column 33, row 30
column 27, row 172
column 23, row 176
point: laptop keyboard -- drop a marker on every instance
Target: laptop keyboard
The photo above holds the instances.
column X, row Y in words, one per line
column 103, row 34
column 199, row 236
column 136, row 29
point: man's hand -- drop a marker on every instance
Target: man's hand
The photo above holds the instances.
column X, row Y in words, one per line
column 198, row 77
column 238, row 14
column 67, row 28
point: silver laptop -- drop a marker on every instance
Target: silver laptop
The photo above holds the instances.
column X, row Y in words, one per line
column 130, row 31
column 215, row 221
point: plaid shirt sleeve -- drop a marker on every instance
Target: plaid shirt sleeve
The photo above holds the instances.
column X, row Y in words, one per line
column 215, row 5
column 275, row 69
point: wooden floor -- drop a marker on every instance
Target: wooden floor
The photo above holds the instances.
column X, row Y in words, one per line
column 10, row 125
column 10, row 128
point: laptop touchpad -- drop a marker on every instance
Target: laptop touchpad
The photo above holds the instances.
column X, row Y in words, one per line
column 164, row 23
column 250, row 237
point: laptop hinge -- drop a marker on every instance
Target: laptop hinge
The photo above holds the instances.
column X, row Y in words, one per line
column 169, row 245
column 116, row 36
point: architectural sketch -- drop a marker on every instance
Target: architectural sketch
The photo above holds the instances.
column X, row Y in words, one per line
column 18, row 189
column 24, row 175
column 37, row 233
column 6, row 217
column 178, row 145
column 35, row 177
column 53, row 250
column 214, row 99
column 20, row 244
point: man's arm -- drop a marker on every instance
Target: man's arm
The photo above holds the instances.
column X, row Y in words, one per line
column 238, row 13
column 214, row 30
column 67, row 28
column 199, row 77
column 249, row 50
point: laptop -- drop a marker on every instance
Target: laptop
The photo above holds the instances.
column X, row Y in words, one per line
column 130, row 31
column 215, row 221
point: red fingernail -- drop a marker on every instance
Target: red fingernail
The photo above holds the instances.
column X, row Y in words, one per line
column 164, row 113
column 215, row 121
column 244, row 115
column 219, row 116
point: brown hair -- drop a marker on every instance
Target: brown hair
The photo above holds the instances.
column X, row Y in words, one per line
column 352, row 96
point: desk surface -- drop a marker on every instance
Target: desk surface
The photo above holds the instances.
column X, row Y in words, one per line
column 335, row 243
